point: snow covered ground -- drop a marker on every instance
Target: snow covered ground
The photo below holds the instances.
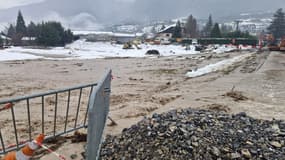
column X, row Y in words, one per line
column 5, row 55
column 228, row 48
column 217, row 66
column 224, row 48
column 90, row 50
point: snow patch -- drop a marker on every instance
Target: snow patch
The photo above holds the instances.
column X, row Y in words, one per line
column 10, row 56
column 217, row 66
column 224, row 49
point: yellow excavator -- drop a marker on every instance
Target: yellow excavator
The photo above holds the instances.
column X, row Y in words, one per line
column 129, row 45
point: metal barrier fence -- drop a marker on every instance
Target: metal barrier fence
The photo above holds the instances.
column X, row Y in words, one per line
column 98, row 114
column 54, row 114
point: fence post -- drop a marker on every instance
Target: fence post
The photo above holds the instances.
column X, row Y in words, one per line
column 97, row 116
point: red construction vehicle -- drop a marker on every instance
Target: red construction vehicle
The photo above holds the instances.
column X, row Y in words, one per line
column 276, row 45
column 282, row 45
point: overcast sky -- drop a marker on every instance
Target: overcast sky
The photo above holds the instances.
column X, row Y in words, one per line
column 114, row 11
column 4, row 4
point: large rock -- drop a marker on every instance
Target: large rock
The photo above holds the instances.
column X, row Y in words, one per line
column 153, row 52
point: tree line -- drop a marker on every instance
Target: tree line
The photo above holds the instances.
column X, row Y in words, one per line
column 215, row 30
column 49, row 33
column 210, row 30
column 275, row 31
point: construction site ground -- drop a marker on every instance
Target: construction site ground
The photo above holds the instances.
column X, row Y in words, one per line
column 143, row 86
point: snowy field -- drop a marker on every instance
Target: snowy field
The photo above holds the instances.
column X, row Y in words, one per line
column 90, row 50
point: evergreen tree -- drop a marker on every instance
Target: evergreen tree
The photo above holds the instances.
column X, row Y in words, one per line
column 177, row 30
column 191, row 27
column 21, row 26
column 11, row 31
column 216, row 32
column 68, row 36
column 20, row 30
column 48, row 35
column 32, row 30
column 195, row 29
column 208, row 28
column 277, row 27
column 188, row 26
column 53, row 34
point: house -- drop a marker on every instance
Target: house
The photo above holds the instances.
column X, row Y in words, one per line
column 6, row 40
column 165, row 35
column 28, row 41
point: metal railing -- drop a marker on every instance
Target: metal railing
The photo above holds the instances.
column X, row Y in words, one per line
column 54, row 114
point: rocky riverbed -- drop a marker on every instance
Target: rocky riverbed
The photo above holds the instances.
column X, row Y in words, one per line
column 198, row 134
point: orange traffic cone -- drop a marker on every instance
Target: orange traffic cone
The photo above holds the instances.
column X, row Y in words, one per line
column 27, row 152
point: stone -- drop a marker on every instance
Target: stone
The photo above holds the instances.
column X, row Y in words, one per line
column 216, row 151
column 235, row 156
column 172, row 128
column 195, row 144
column 246, row 153
column 276, row 144
column 241, row 114
column 276, row 128
column 249, row 143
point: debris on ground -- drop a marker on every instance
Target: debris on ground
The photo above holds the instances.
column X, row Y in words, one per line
column 250, row 65
column 113, row 123
column 236, row 95
column 218, row 108
column 198, row 135
column 78, row 137
column 73, row 156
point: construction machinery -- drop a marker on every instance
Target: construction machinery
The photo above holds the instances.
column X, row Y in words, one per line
column 129, row 45
column 282, row 45
column 276, row 45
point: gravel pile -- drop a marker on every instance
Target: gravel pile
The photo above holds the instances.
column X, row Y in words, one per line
column 200, row 135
